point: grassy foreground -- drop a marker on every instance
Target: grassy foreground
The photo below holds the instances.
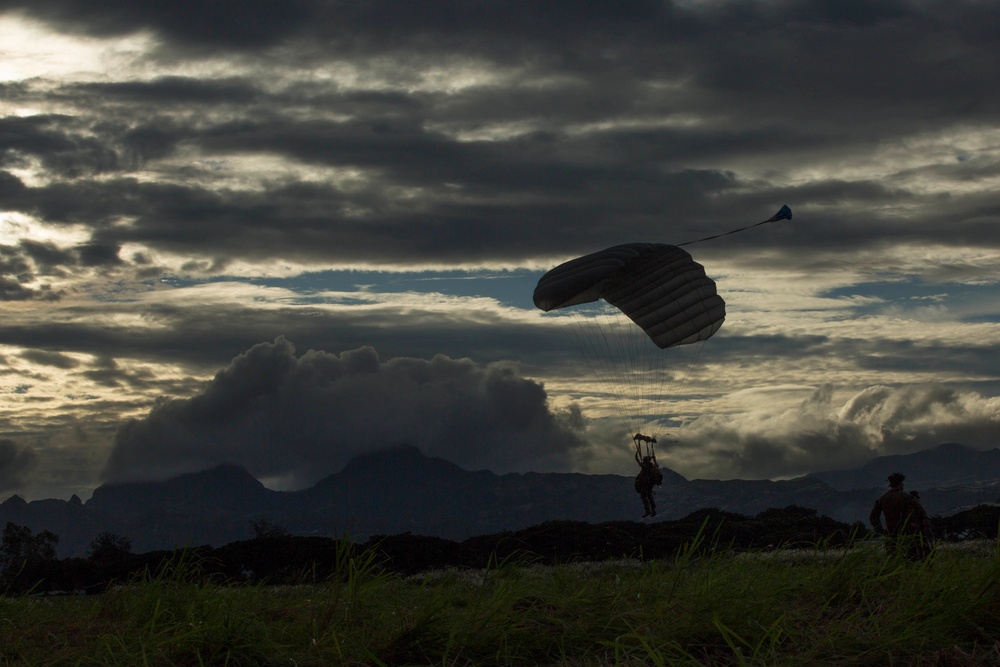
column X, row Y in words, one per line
column 853, row 607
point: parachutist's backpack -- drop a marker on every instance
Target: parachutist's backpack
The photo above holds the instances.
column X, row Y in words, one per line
column 656, row 475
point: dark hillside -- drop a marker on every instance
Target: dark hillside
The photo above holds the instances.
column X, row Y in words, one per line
column 287, row 559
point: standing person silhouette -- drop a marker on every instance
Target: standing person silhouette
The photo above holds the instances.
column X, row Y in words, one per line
column 905, row 519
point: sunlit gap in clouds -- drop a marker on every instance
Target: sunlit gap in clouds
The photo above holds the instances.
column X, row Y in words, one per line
column 250, row 172
column 15, row 227
column 30, row 50
column 53, row 392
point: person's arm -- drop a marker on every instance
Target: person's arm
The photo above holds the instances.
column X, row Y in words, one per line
column 920, row 517
column 875, row 517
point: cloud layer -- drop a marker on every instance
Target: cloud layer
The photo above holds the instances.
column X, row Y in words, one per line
column 16, row 462
column 293, row 420
column 180, row 182
column 820, row 433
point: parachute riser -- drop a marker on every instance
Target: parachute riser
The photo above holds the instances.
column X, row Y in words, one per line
column 638, row 439
column 784, row 213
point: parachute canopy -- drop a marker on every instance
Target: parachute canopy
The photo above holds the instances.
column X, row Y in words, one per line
column 640, row 314
column 658, row 286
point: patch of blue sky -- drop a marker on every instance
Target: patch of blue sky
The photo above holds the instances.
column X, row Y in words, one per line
column 509, row 288
column 961, row 301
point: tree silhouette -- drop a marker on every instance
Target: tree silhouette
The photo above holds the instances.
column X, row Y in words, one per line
column 109, row 548
column 20, row 546
column 22, row 551
column 264, row 529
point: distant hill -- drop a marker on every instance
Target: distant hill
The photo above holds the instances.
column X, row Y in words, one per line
column 946, row 465
column 400, row 490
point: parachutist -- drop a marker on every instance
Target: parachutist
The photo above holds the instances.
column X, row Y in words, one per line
column 649, row 476
column 625, row 297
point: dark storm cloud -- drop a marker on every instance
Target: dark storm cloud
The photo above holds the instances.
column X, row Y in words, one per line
column 303, row 417
column 49, row 358
column 167, row 91
column 19, row 266
column 16, row 462
column 808, row 53
column 11, row 187
column 785, row 82
column 47, row 256
column 204, row 337
column 355, row 26
column 315, row 220
column 875, row 354
column 97, row 254
column 240, row 24
column 62, row 143
column 16, row 274
column 11, row 263
column 108, row 373
column 312, row 221
column 11, row 290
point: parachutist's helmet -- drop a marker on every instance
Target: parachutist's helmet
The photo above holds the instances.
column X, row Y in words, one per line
column 896, row 478
column 647, row 459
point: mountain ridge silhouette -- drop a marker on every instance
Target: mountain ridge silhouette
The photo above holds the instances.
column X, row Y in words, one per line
column 400, row 490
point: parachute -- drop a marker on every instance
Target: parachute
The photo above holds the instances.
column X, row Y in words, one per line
column 658, row 286
column 640, row 313
column 627, row 305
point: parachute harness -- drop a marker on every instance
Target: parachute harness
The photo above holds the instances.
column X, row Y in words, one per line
column 639, row 439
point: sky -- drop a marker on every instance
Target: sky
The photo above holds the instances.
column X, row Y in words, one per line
column 281, row 234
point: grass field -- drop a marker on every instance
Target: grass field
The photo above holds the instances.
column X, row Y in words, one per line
column 813, row 607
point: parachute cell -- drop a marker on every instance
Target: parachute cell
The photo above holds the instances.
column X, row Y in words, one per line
column 658, row 286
